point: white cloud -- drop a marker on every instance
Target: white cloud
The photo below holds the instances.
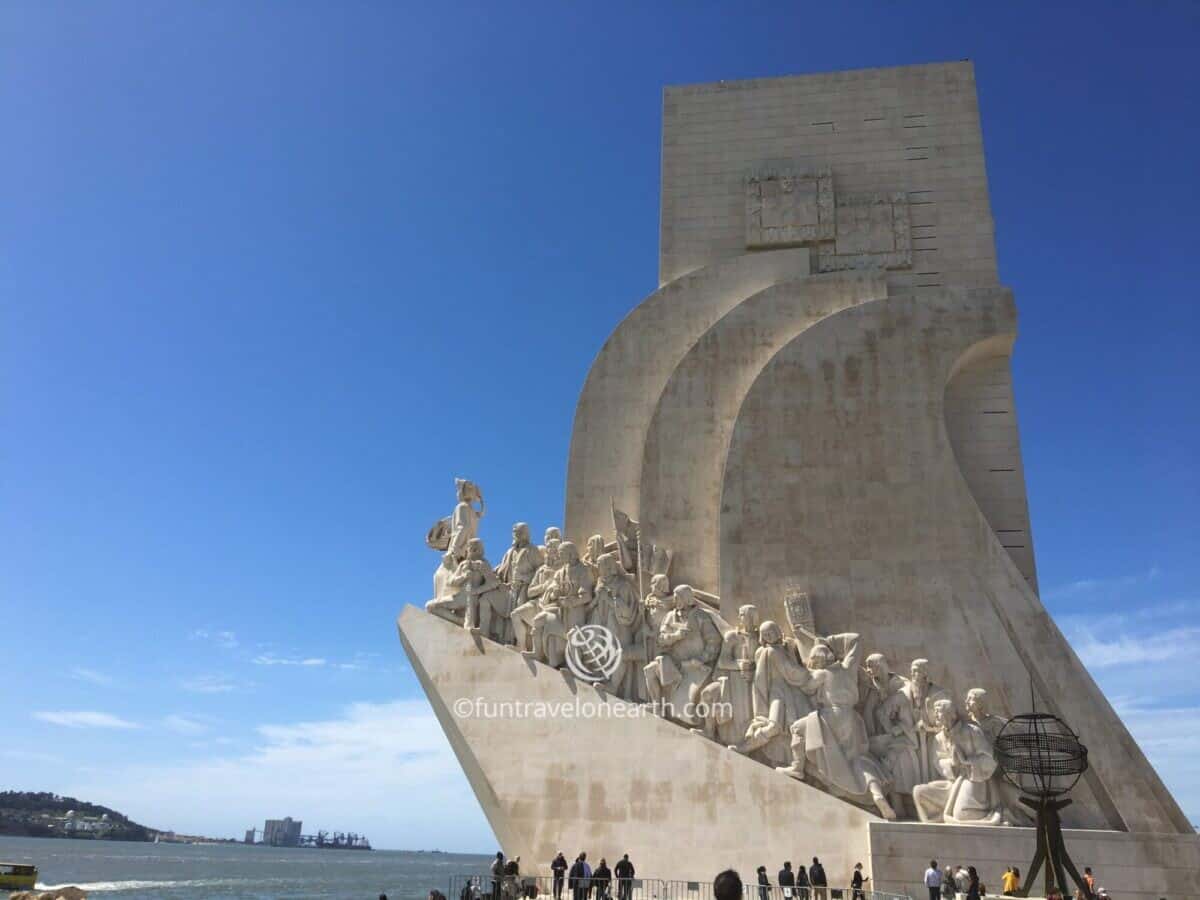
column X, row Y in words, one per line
column 377, row 768
column 92, row 676
column 84, row 719
column 270, row 659
column 188, row 725
column 1170, row 738
column 225, row 639
column 209, row 684
column 1099, row 652
column 1090, row 586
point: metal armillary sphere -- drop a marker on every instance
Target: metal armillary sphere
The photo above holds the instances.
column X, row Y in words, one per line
column 1043, row 758
column 1040, row 755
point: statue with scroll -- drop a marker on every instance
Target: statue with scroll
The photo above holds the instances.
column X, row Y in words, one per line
column 688, row 645
column 778, row 698
column 964, row 792
column 830, row 744
column 728, row 701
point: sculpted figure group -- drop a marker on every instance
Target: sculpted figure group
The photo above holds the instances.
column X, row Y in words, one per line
column 815, row 708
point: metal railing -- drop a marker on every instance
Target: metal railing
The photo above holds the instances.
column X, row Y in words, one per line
column 532, row 887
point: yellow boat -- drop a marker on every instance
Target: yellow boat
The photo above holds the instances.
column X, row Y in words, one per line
column 15, row 875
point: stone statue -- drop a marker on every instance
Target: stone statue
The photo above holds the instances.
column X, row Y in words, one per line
column 964, row 792
column 778, row 697
column 729, row 700
column 464, row 522
column 552, row 534
column 976, row 705
column 523, row 615
column 922, row 694
column 485, row 598
column 688, row 645
column 620, row 611
column 565, row 605
column 831, row 743
column 591, row 556
column 657, row 604
column 521, row 561
column 446, row 602
column 892, row 732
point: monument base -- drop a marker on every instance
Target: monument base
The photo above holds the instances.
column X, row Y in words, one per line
column 1128, row 865
column 557, row 764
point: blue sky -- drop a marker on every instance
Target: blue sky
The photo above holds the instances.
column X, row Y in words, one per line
column 274, row 273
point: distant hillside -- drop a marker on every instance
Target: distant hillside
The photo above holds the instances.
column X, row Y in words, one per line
column 39, row 814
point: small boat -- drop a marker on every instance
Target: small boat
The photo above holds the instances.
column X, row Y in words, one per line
column 17, row 875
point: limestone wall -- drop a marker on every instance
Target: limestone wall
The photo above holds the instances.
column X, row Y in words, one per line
column 1130, row 866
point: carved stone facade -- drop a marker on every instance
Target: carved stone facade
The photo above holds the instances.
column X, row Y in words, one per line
column 801, row 421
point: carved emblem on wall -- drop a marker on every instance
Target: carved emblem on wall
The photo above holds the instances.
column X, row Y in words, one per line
column 792, row 207
column 788, row 207
column 872, row 232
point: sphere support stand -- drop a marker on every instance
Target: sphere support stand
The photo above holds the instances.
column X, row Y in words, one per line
column 1052, row 850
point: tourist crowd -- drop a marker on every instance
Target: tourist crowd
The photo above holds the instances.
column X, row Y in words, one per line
column 585, row 882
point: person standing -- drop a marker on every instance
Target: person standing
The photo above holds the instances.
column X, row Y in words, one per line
column 1089, row 879
column 587, row 877
column 961, row 882
column 559, row 868
column 624, row 873
column 933, row 880
column 856, row 882
column 816, row 877
column 947, row 883
column 497, row 874
column 602, row 879
column 802, row 883
column 764, row 884
column 787, row 881
column 972, row 883
column 576, row 879
column 1010, row 882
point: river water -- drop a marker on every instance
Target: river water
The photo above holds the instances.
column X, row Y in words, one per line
column 123, row 871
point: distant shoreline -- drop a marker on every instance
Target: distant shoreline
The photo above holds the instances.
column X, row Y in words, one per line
column 231, row 842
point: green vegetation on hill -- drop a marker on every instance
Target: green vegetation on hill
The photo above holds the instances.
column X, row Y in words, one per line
column 40, row 814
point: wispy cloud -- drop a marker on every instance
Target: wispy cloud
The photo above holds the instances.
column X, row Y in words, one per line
column 1170, row 738
column 1098, row 652
column 84, row 719
column 270, row 659
column 31, row 756
column 92, row 676
column 188, row 725
column 343, row 772
column 1089, row 586
column 225, row 639
column 358, row 663
column 210, row 684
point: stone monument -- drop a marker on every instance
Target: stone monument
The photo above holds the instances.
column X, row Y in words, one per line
column 811, row 421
